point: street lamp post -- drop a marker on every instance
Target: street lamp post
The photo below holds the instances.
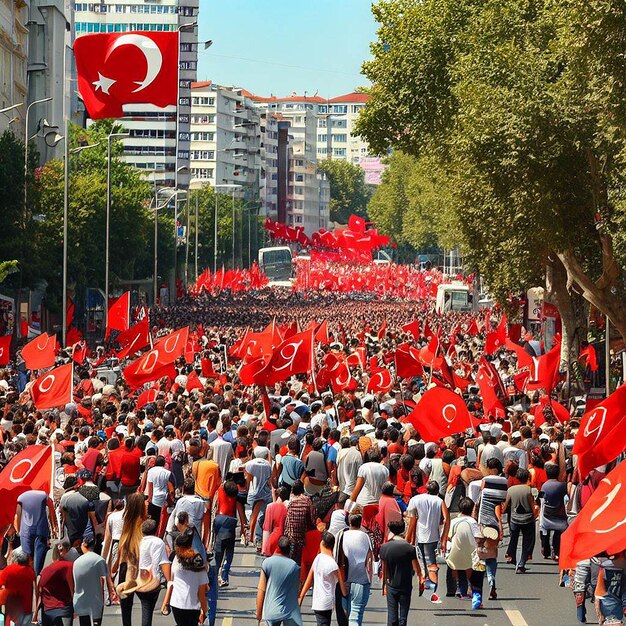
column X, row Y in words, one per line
column 108, row 223
column 232, row 186
column 66, row 186
column 196, row 234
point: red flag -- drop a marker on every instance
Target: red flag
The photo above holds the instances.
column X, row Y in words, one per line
column 440, row 413
column 134, row 339
column 380, row 382
column 357, row 358
column 413, row 328
column 601, row 437
column 157, row 362
column 29, row 469
column 207, row 368
column 472, row 329
column 69, row 315
column 119, row 313
column 39, row 353
column 115, row 69
column 341, row 379
column 382, row 330
column 428, row 333
column 590, row 356
column 72, row 336
column 193, row 382
column 292, row 356
column 147, row 397
column 80, row 352
column 523, row 358
column 356, row 224
column 544, row 371
column 490, row 385
column 54, row 389
column 428, row 353
column 496, row 340
column 601, row 524
column 321, row 334
column 249, row 372
column 5, row 349
column 408, row 361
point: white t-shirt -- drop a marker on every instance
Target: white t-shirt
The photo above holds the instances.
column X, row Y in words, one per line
column 324, row 581
column 115, row 522
column 356, row 545
column 152, row 554
column 185, row 588
column 473, row 489
column 427, row 509
column 159, row 477
column 375, row 476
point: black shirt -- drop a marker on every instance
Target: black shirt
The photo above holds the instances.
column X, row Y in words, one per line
column 398, row 556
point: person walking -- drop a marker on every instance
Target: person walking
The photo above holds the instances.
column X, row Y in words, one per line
column 224, row 527
column 277, row 595
column 300, row 519
column 399, row 564
column 324, row 575
column 56, row 588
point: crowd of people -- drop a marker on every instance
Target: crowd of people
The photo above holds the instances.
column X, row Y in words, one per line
column 333, row 491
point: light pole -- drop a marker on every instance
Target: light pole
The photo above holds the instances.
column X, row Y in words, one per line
column 108, row 223
column 66, row 187
column 232, row 186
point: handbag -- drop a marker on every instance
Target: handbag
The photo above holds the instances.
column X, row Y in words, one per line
column 478, row 565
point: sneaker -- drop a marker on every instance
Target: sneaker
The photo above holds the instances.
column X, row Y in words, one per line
column 435, row 599
column 477, row 601
column 493, row 594
column 223, row 583
column 421, row 588
column 521, row 570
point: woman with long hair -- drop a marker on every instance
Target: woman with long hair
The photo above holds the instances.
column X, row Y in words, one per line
column 128, row 552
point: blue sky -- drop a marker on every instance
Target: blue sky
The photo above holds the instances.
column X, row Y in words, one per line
column 323, row 41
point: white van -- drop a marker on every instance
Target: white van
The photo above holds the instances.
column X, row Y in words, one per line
column 453, row 297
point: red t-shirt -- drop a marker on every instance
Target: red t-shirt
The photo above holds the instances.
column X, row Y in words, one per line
column 395, row 448
column 18, row 581
column 225, row 504
column 130, row 468
column 55, row 585
column 115, row 462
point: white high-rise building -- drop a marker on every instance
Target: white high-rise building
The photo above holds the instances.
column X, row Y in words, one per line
column 152, row 144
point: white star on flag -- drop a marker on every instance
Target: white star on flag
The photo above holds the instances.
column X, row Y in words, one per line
column 104, row 83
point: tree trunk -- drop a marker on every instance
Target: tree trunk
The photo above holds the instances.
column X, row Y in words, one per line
column 572, row 309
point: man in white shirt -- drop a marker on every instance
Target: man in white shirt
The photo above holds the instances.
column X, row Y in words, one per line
column 371, row 477
column 427, row 511
column 160, row 485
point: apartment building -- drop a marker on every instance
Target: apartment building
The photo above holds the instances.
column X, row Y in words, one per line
column 153, row 144
column 13, row 56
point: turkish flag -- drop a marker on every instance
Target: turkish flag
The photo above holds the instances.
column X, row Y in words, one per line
column 601, row 524
column 134, row 339
column 544, row 371
column 413, row 328
column 53, row 389
column 440, row 413
column 496, row 340
column 590, row 356
column 72, row 336
column 5, row 349
column 119, row 313
column 408, row 361
column 341, row 379
column 249, row 372
column 357, row 358
column 489, row 382
column 30, row 469
column 382, row 330
column 428, row 353
column 356, row 224
column 472, row 329
column 157, row 363
column 79, row 354
column 380, row 382
column 147, row 397
column 601, row 437
column 523, row 358
column 115, row 69
column 293, row 356
column 321, row 334
column 39, row 353
column 193, row 382
column 207, row 368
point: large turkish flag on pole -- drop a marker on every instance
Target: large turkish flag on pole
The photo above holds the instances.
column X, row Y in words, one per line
column 293, row 356
column 39, row 353
column 53, row 389
column 5, row 349
column 601, row 525
column 134, row 339
column 122, row 68
column 29, row 469
column 119, row 314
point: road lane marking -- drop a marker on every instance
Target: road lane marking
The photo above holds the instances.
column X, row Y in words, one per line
column 514, row 614
column 248, row 560
column 227, row 621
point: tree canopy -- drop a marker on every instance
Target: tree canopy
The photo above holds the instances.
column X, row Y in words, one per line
column 348, row 191
column 519, row 106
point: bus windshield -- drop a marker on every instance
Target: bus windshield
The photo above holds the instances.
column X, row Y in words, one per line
column 276, row 263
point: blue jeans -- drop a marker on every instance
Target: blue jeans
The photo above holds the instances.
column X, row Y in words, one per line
column 355, row 603
column 224, row 532
column 398, row 604
column 611, row 604
column 211, row 595
column 491, row 566
column 37, row 547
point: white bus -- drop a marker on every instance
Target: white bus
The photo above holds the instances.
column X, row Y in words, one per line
column 453, row 297
column 275, row 262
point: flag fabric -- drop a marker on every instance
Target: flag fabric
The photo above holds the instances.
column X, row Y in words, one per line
column 193, row 381
column 472, row 329
column 293, row 356
column 428, row 353
column 590, row 356
column 5, row 349
column 489, row 383
column 524, row 360
column 413, row 328
column 497, row 339
column 601, row 437
column 115, row 69
column 321, row 334
column 341, row 379
column 544, row 371
column 207, row 368
column 134, row 339
column 147, row 397
column 80, row 352
column 72, row 336
column 440, row 413
column 119, row 314
column 30, row 469
column 53, row 389
column 408, row 361
column 600, row 526
column 157, row 363
column 356, row 224
column 380, row 382
column 382, row 330
column 39, row 353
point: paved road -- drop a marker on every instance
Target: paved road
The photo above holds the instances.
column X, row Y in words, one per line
column 531, row 599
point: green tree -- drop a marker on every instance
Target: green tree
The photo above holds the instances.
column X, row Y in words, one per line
column 348, row 191
column 522, row 106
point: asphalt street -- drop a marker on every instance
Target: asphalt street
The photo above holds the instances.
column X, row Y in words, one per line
column 531, row 599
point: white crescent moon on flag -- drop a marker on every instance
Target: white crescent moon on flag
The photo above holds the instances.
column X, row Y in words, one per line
column 150, row 50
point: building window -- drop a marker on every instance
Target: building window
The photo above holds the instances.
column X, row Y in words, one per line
column 322, row 108
column 202, row 172
column 339, row 152
column 340, row 123
column 340, row 108
column 342, row 138
column 355, row 108
column 322, row 138
column 203, row 119
column 202, row 136
column 203, row 155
